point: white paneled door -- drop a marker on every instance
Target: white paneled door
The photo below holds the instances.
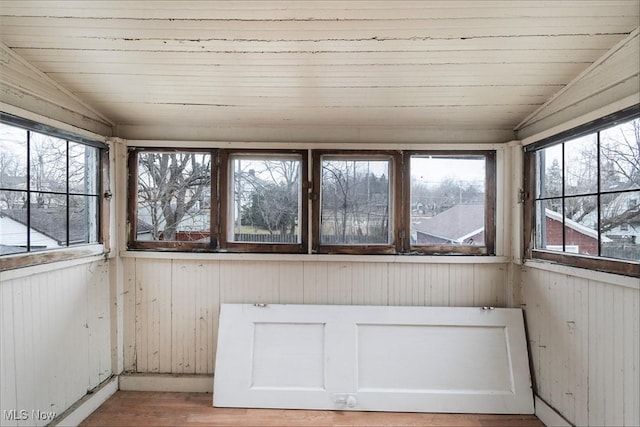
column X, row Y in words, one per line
column 366, row 358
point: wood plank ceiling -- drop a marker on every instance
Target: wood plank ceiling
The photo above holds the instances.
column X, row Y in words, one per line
column 318, row 65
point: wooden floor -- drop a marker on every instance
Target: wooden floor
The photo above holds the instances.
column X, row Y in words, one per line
column 136, row 408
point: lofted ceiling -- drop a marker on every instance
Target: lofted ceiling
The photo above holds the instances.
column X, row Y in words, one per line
column 318, row 65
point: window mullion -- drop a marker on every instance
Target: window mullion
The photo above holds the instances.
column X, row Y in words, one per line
column 599, row 189
column 67, row 195
column 28, row 201
column 564, row 214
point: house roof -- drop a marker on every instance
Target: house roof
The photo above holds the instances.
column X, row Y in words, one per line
column 455, row 224
column 51, row 223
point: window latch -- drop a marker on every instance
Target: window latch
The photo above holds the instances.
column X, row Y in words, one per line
column 521, row 195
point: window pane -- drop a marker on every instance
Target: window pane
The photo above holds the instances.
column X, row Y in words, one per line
column 83, row 169
column 581, row 225
column 174, row 196
column 83, row 219
column 620, row 156
column 549, row 174
column 620, row 225
column 48, row 163
column 549, row 225
column 447, row 200
column 266, row 199
column 13, row 222
column 13, row 157
column 581, row 165
column 355, row 195
column 48, row 221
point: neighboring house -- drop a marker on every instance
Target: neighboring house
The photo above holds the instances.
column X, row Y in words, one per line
column 13, row 233
column 627, row 205
column 461, row 224
column 144, row 230
column 47, row 229
column 578, row 238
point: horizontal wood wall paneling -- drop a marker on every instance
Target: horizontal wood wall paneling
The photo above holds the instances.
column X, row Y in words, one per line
column 14, row 97
column 419, row 117
column 595, row 41
column 23, row 86
column 76, row 60
column 623, row 65
column 335, row 77
column 328, row 10
column 307, row 30
column 424, row 136
column 612, row 78
column 16, row 73
column 477, row 67
column 409, row 96
column 583, row 345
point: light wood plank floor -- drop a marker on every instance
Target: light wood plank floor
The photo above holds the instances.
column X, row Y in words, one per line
column 136, row 408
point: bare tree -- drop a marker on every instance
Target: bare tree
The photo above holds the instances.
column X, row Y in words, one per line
column 172, row 187
column 273, row 198
column 355, row 201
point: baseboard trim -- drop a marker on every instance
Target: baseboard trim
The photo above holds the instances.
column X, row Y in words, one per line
column 89, row 403
column 548, row 415
column 167, row 382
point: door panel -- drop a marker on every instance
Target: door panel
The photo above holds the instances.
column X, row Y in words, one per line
column 422, row 359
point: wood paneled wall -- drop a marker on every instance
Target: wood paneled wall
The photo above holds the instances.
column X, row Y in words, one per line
column 171, row 306
column 55, row 340
column 613, row 78
column 584, row 338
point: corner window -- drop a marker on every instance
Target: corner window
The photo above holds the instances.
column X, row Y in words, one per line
column 584, row 190
column 451, row 206
column 49, row 188
column 264, row 201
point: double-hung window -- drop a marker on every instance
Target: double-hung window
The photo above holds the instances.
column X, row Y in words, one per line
column 584, row 195
column 49, row 188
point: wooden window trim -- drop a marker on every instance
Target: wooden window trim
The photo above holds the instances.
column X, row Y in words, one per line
column 489, row 210
column 608, row 265
column 225, row 198
column 132, row 204
column 395, row 184
column 399, row 182
column 102, row 196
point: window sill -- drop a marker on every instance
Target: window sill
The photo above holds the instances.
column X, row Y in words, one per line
column 583, row 273
column 74, row 255
column 588, row 263
column 409, row 259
